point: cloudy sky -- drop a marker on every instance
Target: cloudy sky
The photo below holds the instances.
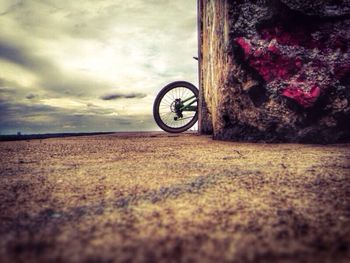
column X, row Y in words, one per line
column 88, row 65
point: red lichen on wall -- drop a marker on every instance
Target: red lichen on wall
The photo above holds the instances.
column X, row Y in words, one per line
column 301, row 63
column 306, row 99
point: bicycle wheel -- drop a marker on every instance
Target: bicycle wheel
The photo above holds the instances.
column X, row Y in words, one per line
column 168, row 111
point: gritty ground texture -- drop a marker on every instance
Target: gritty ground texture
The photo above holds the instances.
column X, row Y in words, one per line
column 165, row 198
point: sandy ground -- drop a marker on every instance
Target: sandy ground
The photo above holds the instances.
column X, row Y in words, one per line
column 164, row 198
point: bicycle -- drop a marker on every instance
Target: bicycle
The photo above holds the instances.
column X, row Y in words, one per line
column 175, row 108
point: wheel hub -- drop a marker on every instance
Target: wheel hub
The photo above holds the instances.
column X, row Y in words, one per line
column 175, row 108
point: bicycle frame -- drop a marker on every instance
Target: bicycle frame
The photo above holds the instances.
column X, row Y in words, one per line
column 189, row 107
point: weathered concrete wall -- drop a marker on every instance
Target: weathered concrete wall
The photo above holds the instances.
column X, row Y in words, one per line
column 276, row 70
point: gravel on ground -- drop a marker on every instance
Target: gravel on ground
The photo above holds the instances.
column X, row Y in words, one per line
column 156, row 197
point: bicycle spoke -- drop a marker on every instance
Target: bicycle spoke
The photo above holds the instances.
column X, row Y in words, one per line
column 167, row 111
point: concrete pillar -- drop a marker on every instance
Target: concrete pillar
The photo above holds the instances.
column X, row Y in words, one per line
column 274, row 70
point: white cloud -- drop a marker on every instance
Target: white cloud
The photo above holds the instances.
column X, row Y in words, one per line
column 77, row 51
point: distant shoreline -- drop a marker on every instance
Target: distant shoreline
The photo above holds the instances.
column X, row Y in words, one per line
column 16, row 137
column 24, row 137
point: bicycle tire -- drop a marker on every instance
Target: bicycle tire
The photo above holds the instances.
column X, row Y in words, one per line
column 161, row 95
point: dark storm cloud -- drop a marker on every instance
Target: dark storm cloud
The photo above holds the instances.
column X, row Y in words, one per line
column 30, row 96
column 116, row 96
column 8, row 52
column 48, row 73
column 10, row 110
column 23, row 56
